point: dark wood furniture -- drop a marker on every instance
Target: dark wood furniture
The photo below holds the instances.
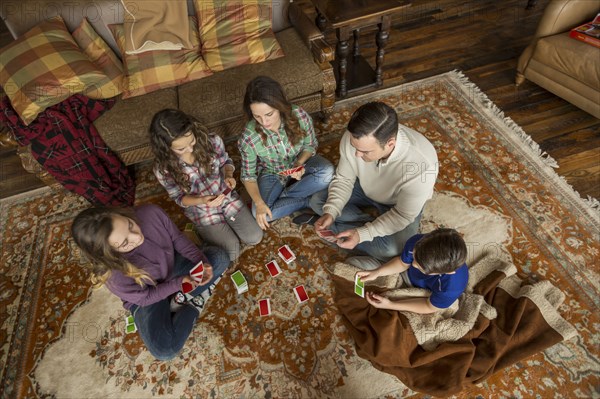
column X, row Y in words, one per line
column 350, row 16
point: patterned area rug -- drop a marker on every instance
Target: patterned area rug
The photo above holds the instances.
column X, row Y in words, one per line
column 59, row 338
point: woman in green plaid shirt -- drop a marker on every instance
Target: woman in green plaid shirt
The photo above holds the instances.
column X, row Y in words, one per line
column 278, row 137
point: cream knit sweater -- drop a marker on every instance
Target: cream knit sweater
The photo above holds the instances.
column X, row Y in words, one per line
column 405, row 180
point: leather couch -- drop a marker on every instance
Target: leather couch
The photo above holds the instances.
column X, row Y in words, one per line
column 304, row 72
column 560, row 64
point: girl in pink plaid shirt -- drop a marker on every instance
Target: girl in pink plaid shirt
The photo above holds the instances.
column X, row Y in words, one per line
column 194, row 168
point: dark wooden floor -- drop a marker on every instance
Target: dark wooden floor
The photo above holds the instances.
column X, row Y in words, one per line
column 483, row 39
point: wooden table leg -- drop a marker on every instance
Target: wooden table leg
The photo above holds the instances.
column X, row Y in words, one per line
column 343, row 50
column 382, row 37
column 320, row 21
column 356, row 51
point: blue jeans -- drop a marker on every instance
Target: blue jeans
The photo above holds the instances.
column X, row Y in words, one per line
column 283, row 199
column 382, row 248
column 163, row 332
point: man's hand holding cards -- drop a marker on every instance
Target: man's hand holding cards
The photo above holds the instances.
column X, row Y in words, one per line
column 327, row 235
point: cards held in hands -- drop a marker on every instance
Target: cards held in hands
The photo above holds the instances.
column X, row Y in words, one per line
column 241, row 285
column 359, row 286
column 197, row 272
column 291, row 171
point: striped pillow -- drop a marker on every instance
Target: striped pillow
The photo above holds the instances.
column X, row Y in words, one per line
column 44, row 67
column 236, row 32
column 154, row 70
column 104, row 58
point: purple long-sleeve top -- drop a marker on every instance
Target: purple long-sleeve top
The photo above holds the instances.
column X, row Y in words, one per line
column 156, row 256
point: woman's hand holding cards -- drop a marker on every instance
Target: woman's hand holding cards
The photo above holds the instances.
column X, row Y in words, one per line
column 207, row 275
column 216, row 201
column 298, row 174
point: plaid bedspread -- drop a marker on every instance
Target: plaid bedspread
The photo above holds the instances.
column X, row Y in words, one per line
column 66, row 143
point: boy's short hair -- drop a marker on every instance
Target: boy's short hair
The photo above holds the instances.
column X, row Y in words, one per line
column 440, row 251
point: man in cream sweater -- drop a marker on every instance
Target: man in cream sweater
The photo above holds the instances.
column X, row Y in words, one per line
column 383, row 165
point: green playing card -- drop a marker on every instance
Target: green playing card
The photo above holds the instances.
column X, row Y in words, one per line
column 131, row 328
column 359, row 287
column 238, row 278
column 358, row 290
column 129, row 320
column 359, row 282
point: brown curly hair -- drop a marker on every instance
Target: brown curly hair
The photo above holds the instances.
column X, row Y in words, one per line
column 169, row 125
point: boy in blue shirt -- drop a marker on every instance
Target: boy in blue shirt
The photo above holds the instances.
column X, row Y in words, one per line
column 435, row 261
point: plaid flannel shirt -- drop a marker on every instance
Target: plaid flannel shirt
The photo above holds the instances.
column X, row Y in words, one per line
column 277, row 154
column 202, row 183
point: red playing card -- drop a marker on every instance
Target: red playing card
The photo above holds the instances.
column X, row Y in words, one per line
column 301, row 294
column 273, row 268
column 286, row 253
column 326, row 233
column 186, row 287
column 226, row 191
column 198, row 269
column 264, row 307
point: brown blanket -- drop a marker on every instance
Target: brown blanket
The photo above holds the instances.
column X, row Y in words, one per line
column 500, row 320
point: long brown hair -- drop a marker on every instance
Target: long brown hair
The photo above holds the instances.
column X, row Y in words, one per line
column 263, row 89
column 169, row 125
column 90, row 230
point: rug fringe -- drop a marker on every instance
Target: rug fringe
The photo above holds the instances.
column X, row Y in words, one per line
column 516, row 129
column 590, row 203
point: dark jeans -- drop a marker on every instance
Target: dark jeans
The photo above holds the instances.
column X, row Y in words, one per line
column 353, row 215
column 163, row 332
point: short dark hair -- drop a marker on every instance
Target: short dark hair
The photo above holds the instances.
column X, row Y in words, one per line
column 374, row 118
column 440, row 251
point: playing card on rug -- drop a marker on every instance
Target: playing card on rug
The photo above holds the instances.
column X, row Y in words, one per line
column 197, row 272
column 359, row 286
column 264, row 307
column 273, row 268
column 130, row 326
column 300, row 293
column 241, row 285
column 286, row 254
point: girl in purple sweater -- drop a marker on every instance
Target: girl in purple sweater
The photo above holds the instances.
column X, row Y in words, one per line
column 143, row 258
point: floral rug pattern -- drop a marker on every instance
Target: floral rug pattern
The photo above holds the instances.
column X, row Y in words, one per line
column 60, row 338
